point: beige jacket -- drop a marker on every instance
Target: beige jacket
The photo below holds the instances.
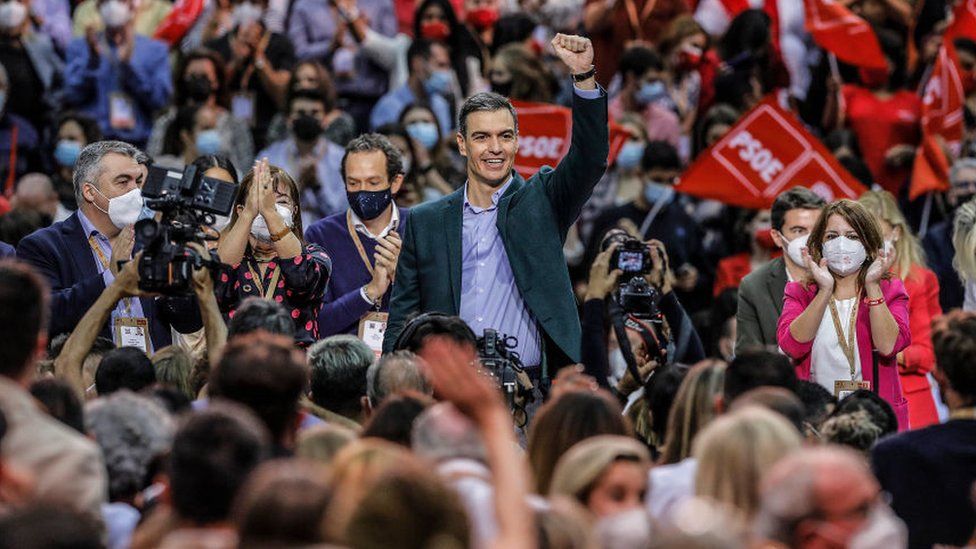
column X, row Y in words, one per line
column 67, row 467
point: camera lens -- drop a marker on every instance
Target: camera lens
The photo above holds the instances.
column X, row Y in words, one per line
column 146, row 230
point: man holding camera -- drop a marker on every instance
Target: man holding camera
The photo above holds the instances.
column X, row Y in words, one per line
column 491, row 252
column 80, row 256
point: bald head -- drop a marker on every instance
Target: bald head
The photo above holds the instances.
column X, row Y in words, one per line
column 395, row 373
column 36, row 192
column 442, row 432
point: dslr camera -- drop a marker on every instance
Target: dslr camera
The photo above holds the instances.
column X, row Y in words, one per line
column 187, row 201
column 633, row 257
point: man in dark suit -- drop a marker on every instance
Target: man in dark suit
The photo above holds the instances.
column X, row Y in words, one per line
column 929, row 473
column 491, row 252
column 794, row 214
column 80, row 255
column 939, row 250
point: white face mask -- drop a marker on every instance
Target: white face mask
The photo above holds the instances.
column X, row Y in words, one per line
column 12, row 14
column 115, row 13
column 794, row 250
column 123, row 210
column 259, row 228
column 220, row 222
column 246, row 13
column 844, row 255
column 883, row 529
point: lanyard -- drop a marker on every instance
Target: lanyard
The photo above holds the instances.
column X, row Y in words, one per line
column 847, row 344
column 359, row 244
column 963, row 413
column 107, row 267
column 269, row 292
column 635, row 20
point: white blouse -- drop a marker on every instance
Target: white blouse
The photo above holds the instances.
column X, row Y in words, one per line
column 828, row 363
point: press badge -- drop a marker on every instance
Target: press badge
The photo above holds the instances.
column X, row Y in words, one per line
column 242, row 107
column 121, row 112
column 371, row 329
column 132, row 332
column 844, row 388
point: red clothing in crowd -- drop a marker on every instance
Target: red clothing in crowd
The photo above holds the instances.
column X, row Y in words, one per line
column 732, row 270
column 880, row 124
column 919, row 357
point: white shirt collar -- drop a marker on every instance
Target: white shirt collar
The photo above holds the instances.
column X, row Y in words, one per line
column 361, row 227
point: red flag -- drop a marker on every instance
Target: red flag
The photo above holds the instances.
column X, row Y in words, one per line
column 942, row 123
column 179, row 21
column 963, row 23
column 545, row 132
column 765, row 153
column 837, row 30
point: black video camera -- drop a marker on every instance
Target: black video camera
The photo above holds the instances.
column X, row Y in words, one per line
column 633, row 257
column 505, row 366
column 187, row 201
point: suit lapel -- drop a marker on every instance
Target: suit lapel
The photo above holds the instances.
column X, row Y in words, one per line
column 78, row 246
column 505, row 202
column 451, row 219
column 776, row 282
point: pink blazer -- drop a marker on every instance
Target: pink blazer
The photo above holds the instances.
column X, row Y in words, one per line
column 795, row 300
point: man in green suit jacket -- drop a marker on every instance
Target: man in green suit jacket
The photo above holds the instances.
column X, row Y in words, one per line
column 491, row 252
column 794, row 214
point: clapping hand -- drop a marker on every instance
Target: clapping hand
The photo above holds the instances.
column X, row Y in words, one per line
column 881, row 265
column 121, row 249
column 820, row 272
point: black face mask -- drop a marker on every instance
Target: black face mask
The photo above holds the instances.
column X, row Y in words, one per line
column 306, row 128
column 198, row 88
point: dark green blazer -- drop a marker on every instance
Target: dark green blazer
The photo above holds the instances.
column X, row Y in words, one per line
column 533, row 219
column 760, row 304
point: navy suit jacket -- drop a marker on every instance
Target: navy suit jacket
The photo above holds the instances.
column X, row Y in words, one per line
column 6, row 250
column 61, row 253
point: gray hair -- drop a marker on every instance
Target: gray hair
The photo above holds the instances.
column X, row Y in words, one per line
column 89, row 166
column 441, row 433
column 257, row 313
column 484, row 102
column 964, row 163
column 392, row 373
column 339, row 364
column 132, row 431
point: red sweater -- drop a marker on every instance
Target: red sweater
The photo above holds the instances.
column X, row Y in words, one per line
column 919, row 357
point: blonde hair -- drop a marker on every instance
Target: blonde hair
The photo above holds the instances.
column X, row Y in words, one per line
column 582, row 466
column 322, row 442
column 964, row 241
column 693, row 408
column 735, row 450
column 908, row 251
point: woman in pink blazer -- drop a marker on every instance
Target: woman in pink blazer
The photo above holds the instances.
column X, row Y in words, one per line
column 850, row 306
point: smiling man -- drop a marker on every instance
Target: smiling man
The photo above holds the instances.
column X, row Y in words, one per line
column 491, row 252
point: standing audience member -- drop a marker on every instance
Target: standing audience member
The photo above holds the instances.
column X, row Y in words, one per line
column 118, row 77
column 339, row 365
column 91, row 15
column 430, row 83
column 265, row 246
column 964, row 262
column 917, row 360
column 73, row 132
column 33, row 67
column 20, row 141
column 938, row 243
column 68, row 469
column 929, row 472
column 849, row 307
column 124, row 368
column 793, row 215
column 364, row 241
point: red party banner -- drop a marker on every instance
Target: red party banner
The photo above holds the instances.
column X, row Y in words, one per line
column 839, row 31
column 767, row 152
column 545, row 134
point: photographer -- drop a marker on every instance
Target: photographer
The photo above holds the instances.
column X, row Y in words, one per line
column 268, row 255
column 676, row 336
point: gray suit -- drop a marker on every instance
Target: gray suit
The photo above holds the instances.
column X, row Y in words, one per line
column 760, row 304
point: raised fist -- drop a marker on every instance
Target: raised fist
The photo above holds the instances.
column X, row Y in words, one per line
column 575, row 51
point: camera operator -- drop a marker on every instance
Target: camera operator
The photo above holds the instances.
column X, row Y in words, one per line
column 268, row 255
column 80, row 256
column 680, row 339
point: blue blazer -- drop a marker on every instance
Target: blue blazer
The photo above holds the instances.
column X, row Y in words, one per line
column 62, row 255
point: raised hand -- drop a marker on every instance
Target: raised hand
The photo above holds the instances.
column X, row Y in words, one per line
column 881, row 265
column 265, row 185
column 602, row 279
column 121, row 249
column 575, row 51
column 821, row 274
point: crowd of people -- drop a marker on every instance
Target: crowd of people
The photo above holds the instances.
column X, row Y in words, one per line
column 396, row 335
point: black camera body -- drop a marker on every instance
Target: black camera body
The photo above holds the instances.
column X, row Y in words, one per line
column 187, row 201
column 633, row 257
column 639, row 301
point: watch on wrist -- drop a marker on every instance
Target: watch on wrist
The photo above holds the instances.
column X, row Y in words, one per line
column 280, row 234
column 259, row 64
column 579, row 77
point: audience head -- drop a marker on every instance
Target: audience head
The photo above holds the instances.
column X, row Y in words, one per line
column 47, row 526
column 268, row 375
column 394, row 373
column 964, row 241
column 132, row 432
column 853, row 429
column 823, row 497
column 74, row 132
column 794, row 214
column 283, row 504
column 35, row 192
column 321, row 443
column 200, row 77
column 287, row 198
column 733, row 452
column 173, row 365
column 660, row 164
column 954, row 339
column 21, row 222
column 107, row 170
column 442, row 433
column 848, row 220
column 23, row 314
column 256, row 314
column 124, row 368
column 339, row 365
column 962, row 181
column 693, row 408
column 488, row 114
column 394, row 419
column 518, row 74
column 660, row 393
column 311, row 75
column 818, row 403
column 214, row 451
column 776, row 399
column 754, row 368
column 566, row 420
column 60, row 402
column 373, row 172
column 416, row 330
column 607, row 474
column 876, row 407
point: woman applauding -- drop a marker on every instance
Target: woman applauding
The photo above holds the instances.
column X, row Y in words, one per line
column 851, row 314
column 268, row 254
